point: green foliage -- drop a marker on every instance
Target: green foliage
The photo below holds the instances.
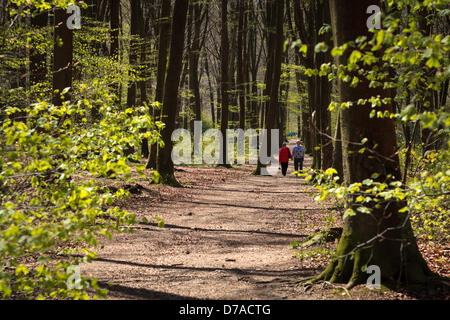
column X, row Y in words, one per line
column 52, row 210
column 314, row 254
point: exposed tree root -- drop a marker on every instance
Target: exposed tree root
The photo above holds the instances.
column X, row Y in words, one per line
column 404, row 269
column 169, row 180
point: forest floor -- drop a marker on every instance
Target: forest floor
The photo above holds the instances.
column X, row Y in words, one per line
column 227, row 235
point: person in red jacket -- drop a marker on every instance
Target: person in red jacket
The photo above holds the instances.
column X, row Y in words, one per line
column 283, row 157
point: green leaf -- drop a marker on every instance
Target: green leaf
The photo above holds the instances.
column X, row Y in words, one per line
column 303, row 49
column 348, row 213
column 155, row 176
column 355, row 56
column 321, row 47
column 21, row 269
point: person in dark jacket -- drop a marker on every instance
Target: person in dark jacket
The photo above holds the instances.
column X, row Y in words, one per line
column 283, row 157
column 298, row 153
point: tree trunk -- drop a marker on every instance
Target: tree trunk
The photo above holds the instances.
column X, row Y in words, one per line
column 3, row 14
column 211, row 91
column 143, row 32
column 194, row 55
column 163, row 47
column 307, row 33
column 225, row 81
column 63, row 56
column 134, row 31
column 275, row 40
column 397, row 255
column 240, row 65
column 115, row 25
column 114, row 34
column 326, row 144
column 171, row 85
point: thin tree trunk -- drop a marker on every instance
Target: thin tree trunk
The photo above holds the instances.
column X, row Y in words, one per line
column 194, row 55
column 211, row 90
column 114, row 34
column 225, row 84
column 240, row 65
column 171, row 86
column 163, row 47
column 275, row 40
column 115, row 25
column 134, row 31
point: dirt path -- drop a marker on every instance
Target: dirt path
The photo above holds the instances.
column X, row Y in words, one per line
column 222, row 240
column 227, row 236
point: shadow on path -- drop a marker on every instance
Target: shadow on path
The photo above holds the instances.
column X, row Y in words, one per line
column 253, row 191
column 211, row 204
column 173, row 226
column 142, row 293
column 300, row 272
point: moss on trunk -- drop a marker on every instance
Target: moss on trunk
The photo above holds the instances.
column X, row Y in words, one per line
column 396, row 254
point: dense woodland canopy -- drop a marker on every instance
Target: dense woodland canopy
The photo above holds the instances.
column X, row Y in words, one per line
column 79, row 104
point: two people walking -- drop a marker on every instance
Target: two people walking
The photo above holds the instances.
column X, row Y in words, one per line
column 298, row 154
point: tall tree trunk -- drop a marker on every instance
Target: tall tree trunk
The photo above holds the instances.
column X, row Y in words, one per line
column 326, row 144
column 232, row 96
column 163, row 47
column 115, row 25
column 284, row 87
column 194, row 55
column 307, row 32
column 240, row 65
column 3, row 14
column 225, row 81
column 253, row 65
column 275, row 40
column 397, row 255
column 134, row 32
column 114, row 34
column 273, row 110
column 63, row 57
column 211, row 90
column 144, row 33
column 165, row 165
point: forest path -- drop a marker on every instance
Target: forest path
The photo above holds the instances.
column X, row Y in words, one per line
column 227, row 236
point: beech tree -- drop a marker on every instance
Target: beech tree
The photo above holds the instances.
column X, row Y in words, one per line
column 165, row 165
column 381, row 233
